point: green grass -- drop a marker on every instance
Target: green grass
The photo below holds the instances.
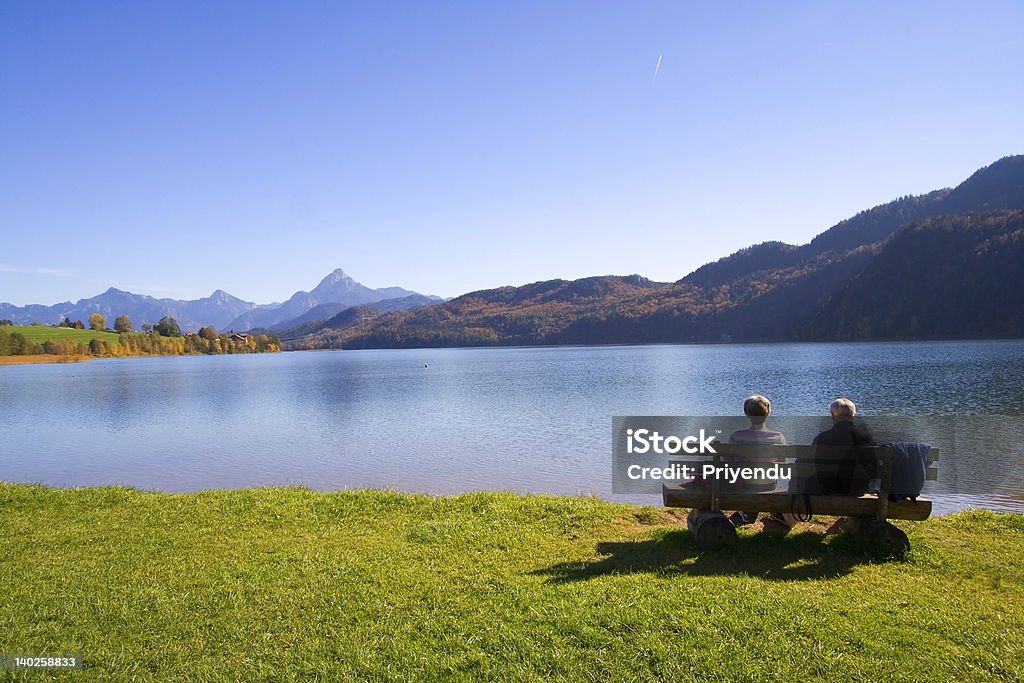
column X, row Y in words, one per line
column 40, row 333
column 289, row 584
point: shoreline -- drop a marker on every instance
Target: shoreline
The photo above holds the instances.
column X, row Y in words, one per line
column 808, row 342
column 41, row 358
column 45, row 358
column 633, row 505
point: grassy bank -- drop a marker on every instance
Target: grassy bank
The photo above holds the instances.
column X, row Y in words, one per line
column 288, row 584
column 42, row 333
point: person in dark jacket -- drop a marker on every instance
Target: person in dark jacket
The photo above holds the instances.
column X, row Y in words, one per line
column 848, row 472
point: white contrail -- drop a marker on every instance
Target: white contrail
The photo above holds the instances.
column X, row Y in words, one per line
column 656, row 67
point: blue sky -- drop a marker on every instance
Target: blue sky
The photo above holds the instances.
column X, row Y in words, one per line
column 175, row 148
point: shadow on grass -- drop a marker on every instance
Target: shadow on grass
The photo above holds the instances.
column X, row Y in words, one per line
column 796, row 557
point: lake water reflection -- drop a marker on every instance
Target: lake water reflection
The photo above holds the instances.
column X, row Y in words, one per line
column 521, row 419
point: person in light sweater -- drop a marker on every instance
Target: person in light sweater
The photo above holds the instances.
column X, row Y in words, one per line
column 757, row 408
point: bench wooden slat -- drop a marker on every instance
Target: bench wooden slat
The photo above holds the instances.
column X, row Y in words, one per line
column 840, row 506
column 797, row 469
column 753, row 449
column 741, row 451
column 802, row 460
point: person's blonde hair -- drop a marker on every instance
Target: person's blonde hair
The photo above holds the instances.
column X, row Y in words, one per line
column 842, row 407
column 757, row 406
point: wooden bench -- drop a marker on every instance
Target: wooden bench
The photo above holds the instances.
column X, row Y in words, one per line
column 868, row 513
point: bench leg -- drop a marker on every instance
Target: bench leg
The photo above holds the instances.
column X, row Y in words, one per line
column 710, row 529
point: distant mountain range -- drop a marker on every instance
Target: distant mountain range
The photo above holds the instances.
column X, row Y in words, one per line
column 333, row 294
column 947, row 264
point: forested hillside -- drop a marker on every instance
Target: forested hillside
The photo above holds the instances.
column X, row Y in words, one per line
column 944, row 277
column 866, row 277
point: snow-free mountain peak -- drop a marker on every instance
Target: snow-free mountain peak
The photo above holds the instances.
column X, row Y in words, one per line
column 221, row 309
column 337, row 287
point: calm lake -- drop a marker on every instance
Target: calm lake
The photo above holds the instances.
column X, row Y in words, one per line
column 520, row 419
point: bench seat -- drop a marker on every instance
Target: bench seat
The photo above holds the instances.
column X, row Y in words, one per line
column 867, row 513
column 676, row 495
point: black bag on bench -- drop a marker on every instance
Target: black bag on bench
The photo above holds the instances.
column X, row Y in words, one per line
column 842, row 465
